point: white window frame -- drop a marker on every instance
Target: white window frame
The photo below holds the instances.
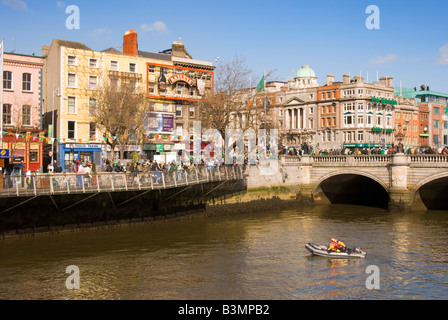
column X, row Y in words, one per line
column 72, row 56
column 74, row 131
column 10, row 114
column 30, row 82
column 68, row 80
column 75, row 105
column 151, row 87
column 11, row 81
column 93, row 108
column 135, row 65
column 114, row 68
column 30, row 115
column 96, row 63
column 96, row 83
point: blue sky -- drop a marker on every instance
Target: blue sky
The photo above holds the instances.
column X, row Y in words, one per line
column 331, row 36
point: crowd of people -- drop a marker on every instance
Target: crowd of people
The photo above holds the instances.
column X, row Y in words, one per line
column 305, row 149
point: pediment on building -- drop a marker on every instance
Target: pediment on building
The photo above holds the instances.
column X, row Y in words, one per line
column 293, row 102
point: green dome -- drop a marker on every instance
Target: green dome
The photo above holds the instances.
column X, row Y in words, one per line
column 305, row 72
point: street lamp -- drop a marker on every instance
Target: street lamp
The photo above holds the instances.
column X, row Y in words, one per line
column 400, row 137
column 57, row 94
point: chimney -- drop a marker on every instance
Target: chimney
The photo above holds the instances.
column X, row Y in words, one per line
column 330, row 79
column 346, row 79
column 45, row 50
column 178, row 50
column 130, row 45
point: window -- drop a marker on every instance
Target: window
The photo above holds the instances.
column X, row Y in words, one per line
column 72, row 60
column 92, row 107
column 436, row 110
column 360, row 135
column 178, row 111
column 26, row 115
column 34, row 156
column 179, row 128
column 93, row 82
column 151, row 86
column 369, row 120
column 445, row 125
column 436, row 124
column 360, row 120
column 114, row 65
column 71, row 80
column 151, row 68
column 436, row 139
column 93, row 63
column 360, row 107
column 7, row 118
column 92, row 130
column 179, row 87
column 71, row 128
column 132, row 67
column 348, row 120
column 114, row 84
column 192, row 111
column 7, row 80
column 379, row 121
column 166, row 107
column 71, row 105
column 26, row 82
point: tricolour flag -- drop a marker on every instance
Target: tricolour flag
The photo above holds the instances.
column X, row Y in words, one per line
column 261, row 86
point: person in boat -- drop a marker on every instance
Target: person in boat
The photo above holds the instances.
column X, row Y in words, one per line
column 336, row 246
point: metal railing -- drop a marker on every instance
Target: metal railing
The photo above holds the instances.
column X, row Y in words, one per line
column 72, row 183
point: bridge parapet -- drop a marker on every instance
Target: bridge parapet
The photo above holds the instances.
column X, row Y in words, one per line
column 429, row 160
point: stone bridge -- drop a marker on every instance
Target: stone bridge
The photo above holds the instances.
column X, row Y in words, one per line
column 390, row 181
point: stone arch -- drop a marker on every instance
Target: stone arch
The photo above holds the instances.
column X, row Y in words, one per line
column 430, row 178
column 353, row 172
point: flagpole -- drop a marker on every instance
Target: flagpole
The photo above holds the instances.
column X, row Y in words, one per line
column 1, row 96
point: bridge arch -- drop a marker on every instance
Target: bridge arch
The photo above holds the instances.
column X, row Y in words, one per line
column 352, row 172
column 433, row 191
column 353, row 187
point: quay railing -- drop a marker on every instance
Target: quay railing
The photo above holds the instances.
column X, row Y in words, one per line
column 72, row 183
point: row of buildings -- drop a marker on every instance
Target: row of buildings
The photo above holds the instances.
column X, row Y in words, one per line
column 353, row 113
column 49, row 104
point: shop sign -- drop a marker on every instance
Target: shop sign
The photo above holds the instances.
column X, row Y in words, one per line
column 158, row 122
column 181, row 77
column 4, row 153
column 159, row 147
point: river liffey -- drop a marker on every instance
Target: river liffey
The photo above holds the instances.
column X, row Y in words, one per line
column 250, row 256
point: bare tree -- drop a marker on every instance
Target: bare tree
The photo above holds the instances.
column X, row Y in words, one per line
column 233, row 104
column 120, row 113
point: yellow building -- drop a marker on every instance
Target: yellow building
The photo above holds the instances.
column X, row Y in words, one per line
column 73, row 73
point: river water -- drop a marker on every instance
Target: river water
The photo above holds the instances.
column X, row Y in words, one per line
column 250, row 256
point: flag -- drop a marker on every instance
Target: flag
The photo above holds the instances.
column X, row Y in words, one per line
column 262, row 84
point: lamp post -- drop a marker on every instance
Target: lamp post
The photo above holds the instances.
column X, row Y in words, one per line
column 57, row 94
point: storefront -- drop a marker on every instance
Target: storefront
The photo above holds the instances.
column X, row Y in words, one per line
column 70, row 153
column 22, row 149
column 161, row 152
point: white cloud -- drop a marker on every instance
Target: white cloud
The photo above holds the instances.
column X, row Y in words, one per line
column 442, row 58
column 60, row 4
column 101, row 30
column 15, row 4
column 157, row 26
column 384, row 59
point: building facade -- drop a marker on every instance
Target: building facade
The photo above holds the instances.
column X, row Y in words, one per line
column 22, row 136
column 74, row 74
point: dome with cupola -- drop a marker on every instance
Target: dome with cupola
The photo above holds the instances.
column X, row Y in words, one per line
column 305, row 72
column 305, row 78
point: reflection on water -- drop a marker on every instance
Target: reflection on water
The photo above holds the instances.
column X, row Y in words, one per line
column 253, row 256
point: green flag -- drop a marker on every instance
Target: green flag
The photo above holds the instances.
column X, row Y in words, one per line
column 261, row 85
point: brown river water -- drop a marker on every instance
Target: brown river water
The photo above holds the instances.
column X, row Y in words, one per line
column 248, row 256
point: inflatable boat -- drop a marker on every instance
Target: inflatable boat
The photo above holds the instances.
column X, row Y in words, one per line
column 348, row 253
